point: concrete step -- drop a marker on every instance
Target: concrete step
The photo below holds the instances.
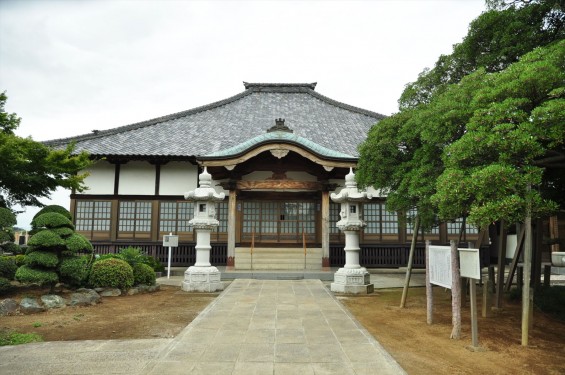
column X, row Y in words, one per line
column 278, row 259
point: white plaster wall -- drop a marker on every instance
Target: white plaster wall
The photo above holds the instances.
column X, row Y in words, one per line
column 137, row 178
column 101, row 178
column 177, row 178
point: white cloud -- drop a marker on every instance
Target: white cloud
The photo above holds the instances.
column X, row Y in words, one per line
column 73, row 66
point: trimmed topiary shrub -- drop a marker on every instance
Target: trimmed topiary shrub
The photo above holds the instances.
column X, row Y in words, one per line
column 8, row 267
column 42, row 259
column 115, row 273
column 143, row 274
column 53, row 240
column 77, row 243
column 45, row 238
column 55, row 208
column 75, row 270
column 52, row 220
column 132, row 255
column 39, row 276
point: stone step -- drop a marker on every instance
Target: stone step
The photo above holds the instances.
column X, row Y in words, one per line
column 278, row 259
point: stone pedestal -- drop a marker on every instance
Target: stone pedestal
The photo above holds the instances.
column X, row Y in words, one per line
column 202, row 279
column 352, row 281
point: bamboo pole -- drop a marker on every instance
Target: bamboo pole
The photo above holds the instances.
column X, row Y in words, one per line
column 410, row 262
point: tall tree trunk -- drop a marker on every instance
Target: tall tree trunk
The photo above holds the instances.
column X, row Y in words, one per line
column 455, row 293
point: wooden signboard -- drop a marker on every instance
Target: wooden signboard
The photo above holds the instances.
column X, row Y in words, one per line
column 440, row 266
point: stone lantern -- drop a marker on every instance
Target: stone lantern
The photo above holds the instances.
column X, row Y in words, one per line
column 352, row 278
column 203, row 277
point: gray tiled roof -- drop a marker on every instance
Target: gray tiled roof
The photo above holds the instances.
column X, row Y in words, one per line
column 227, row 123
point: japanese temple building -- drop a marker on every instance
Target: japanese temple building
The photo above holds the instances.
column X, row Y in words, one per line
column 277, row 151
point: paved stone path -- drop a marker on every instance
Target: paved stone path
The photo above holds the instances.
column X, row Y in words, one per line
column 253, row 327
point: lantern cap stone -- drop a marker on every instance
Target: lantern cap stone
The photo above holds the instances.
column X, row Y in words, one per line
column 351, row 193
column 205, row 192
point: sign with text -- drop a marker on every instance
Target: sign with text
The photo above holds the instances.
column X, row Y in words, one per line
column 469, row 263
column 171, row 241
column 440, row 265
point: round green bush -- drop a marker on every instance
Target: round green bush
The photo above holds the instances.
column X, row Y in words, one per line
column 63, row 232
column 8, row 267
column 6, row 235
column 51, row 220
column 114, row 273
column 42, row 259
column 74, row 270
column 5, row 285
column 143, row 274
column 54, row 208
column 45, row 238
column 26, row 274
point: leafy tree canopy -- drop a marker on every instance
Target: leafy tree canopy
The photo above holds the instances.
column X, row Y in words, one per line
column 30, row 170
column 517, row 122
column 496, row 39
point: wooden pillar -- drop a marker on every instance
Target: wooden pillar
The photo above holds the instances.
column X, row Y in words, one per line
column 325, row 228
column 527, row 291
column 232, row 206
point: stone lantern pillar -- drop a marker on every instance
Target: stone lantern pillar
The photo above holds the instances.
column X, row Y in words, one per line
column 203, row 277
column 352, row 278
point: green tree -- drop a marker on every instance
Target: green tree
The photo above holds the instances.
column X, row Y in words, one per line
column 53, row 249
column 496, row 39
column 30, row 170
column 517, row 123
column 7, row 222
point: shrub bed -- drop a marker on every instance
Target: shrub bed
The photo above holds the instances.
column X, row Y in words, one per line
column 143, row 274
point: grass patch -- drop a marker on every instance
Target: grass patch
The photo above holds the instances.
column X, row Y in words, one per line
column 37, row 324
column 15, row 338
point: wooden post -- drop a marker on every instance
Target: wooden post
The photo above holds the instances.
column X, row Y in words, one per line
column 514, row 264
column 474, row 325
column 410, row 262
column 232, row 207
column 527, row 292
column 429, row 289
column 536, row 254
column 455, row 293
column 501, row 264
column 325, row 228
column 487, row 297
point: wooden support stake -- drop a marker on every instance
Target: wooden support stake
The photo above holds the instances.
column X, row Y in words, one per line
column 527, row 292
column 429, row 289
column 474, row 324
column 546, row 275
column 487, row 298
column 410, row 262
column 514, row 263
column 455, row 293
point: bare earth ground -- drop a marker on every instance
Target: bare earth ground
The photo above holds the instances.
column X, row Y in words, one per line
column 419, row 348
column 427, row 349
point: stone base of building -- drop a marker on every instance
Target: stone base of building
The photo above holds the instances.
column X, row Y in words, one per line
column 202, row 279
column 352, row 281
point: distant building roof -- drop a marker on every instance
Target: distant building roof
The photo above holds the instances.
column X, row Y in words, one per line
column 332, row 127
